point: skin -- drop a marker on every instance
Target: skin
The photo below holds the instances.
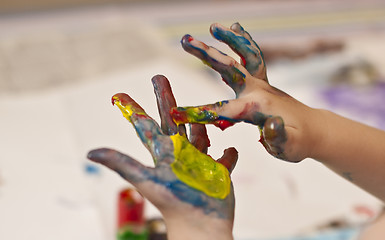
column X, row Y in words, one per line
column 289, row 129
column 257, row 102
column 375, row 231
column 188, row 210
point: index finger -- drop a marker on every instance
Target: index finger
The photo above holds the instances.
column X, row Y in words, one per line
column 147, row 128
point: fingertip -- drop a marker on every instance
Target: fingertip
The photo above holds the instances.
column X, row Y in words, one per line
column 232, row 151
column 229, row 158
column 274, row 130
column 217, row 31
column 98, row 155
column 236, row 27
column 159, row 82
column 213, row 28
column 91, row 155
column 157, row 78
column 123, row 98
column 186, row 39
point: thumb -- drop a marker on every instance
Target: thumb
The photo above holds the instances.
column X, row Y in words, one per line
column 127, row 167
column 274, row 137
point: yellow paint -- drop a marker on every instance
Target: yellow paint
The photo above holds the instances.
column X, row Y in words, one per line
column 191, row 166
column 198, row 170
column 127, row 110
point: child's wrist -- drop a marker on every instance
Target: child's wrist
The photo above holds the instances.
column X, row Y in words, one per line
column 203, row 227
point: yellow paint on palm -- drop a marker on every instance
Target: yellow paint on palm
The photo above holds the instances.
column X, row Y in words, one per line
column 198, row 170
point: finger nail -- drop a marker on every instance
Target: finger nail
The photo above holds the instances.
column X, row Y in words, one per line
column 186, row 39
column 274, row 130
column 123, row 98
column 236, row 27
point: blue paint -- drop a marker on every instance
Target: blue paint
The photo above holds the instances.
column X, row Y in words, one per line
column 193, row 196
column 230, row 74
column 250, row 52
column 258, row 119
column 228, row 35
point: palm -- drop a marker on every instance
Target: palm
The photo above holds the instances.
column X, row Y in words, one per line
column 179, row 177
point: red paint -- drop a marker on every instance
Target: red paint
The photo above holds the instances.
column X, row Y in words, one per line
column 205, row 46
column 190, row 38
column 261, row 138
column 130, row 207
column 364, row 210
column 123, row 98
column 249, row 107
column 148, row 134
column 243, row 61
column 177, row 116
column 223, row 124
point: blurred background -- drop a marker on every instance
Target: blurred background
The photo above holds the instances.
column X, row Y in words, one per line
column 61, row 61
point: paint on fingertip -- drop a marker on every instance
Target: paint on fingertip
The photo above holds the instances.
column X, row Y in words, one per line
column 126, row 110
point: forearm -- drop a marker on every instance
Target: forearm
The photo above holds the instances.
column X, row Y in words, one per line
column 353, row 150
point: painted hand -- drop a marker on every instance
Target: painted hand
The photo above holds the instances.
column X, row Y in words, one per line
column 282, row 120
column 185, row 183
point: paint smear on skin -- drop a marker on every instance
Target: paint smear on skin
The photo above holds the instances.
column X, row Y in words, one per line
column 249, row 52
column 127, row 110
column 205, row 115
column 191, row 166
column 217, row 60
column 202, row 115
column 198, row 170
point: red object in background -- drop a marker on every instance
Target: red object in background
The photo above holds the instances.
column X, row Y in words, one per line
column 130, row 207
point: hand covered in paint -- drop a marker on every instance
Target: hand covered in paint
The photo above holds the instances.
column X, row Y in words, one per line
column 283, row 121
column 193, row 192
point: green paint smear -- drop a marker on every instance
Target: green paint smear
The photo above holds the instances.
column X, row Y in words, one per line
column 198, row 170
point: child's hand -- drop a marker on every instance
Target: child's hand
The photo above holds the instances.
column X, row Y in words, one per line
column 193, row 192
column 285, row 123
